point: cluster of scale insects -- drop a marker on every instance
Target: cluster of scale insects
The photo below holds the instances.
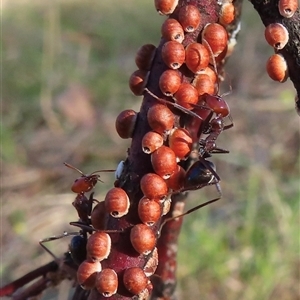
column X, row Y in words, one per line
column 187, row 111
column 201, row 115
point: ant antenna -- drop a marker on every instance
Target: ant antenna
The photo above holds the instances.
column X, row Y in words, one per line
column 98, row 171
column 74, row 168
column 186, row 213
column 216, row 70
column 181, row 108
column 230, row 86
column 213, row 60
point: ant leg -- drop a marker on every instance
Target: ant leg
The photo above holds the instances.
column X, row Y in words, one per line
column 187, row 212
column 90, row 203
column 229, row 125
column 219, row 151
column 181, row 108
column 89, row 229
column 205, row 153
column 53, row 238
column 83, row 226
column 209, row 167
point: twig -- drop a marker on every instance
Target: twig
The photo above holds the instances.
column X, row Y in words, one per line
column 41, row 271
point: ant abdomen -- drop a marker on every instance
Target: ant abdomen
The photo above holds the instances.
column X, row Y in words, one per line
column 77, row 249
column 200, row 175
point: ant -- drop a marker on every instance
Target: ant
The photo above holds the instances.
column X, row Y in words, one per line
column 213, row 126
column 86, row 182
column 81, row 185
column 77, row 246
column 205, row 124
column 83, row 206
column 202, row 173
column 214, row 104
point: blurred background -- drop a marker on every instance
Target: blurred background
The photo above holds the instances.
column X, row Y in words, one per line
column 65, row 67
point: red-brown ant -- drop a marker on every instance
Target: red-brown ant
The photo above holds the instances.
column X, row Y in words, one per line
column 212, row 126
column 202, row 172
column 214, row 104
column 83, row 206
column 86, row 182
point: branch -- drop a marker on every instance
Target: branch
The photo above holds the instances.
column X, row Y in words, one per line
column 269, row 13
column 124, row 255
column 41, row 271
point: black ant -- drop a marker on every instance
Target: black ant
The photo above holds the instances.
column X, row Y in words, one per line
column 202, row 173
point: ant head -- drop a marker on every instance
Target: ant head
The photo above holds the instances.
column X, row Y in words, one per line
column 86, row 182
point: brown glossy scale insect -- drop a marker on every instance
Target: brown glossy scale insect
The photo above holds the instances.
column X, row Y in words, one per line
column 86, row 182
